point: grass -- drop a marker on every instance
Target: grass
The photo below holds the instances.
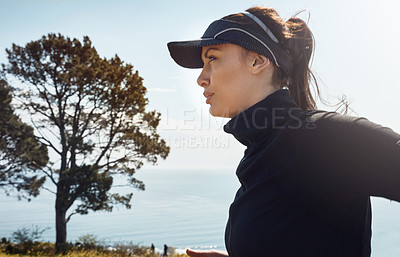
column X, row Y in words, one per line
column 87, row 253
column 44, row 249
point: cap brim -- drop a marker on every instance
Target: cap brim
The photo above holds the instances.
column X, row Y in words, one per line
column 188, row 53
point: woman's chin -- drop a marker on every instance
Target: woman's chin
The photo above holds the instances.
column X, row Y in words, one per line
column 217, row 112
column 214, row 111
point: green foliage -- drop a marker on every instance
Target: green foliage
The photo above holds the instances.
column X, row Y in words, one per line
column 26, row 242
column 129, row 249
column 35, row 249
column 88, row 185
column 28, row 235
column 21, row 154
column 8, row 249
column 91, row 112
column 89, row 241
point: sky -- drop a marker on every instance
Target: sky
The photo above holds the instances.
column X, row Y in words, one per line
column 356, row 55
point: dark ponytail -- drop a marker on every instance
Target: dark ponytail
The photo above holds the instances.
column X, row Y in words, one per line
column 296, row 38
column 300, row 44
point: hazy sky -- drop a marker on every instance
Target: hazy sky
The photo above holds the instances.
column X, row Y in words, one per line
column 357, row 55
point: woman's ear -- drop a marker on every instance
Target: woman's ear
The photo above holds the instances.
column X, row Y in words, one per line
column 259, row 63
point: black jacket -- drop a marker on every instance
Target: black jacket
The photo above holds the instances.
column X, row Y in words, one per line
column 306, row 178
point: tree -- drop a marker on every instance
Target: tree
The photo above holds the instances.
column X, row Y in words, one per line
column 22, row 156
column 90, row 112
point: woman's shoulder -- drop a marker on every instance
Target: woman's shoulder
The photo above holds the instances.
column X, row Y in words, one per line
column 319, row 120
column 329, row 127
column 328, row 120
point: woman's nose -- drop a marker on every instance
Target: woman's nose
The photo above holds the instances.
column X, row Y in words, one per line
column 203, row 80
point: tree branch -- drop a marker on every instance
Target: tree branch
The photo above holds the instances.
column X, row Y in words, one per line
column 42, row 137
column 110, row 140
column 51, row 191
column 44, row 95
column 87, row 121
column 69, row 216
column 50, row 175
column 112, row 162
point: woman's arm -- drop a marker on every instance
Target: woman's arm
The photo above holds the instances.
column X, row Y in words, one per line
column 357, row 156
column 213, row 253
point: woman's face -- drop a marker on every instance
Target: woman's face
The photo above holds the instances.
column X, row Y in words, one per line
column 226, row 79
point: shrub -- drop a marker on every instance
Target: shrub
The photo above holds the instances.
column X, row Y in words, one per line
column 89, row 241
column 129, row 249
column 28, row 235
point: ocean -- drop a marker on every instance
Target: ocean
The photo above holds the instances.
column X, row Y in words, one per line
column 180, row 208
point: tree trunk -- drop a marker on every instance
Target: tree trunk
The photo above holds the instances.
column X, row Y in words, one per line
column 61, row 209
column 61, row 225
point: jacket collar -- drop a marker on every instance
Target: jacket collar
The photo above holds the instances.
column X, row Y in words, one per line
column 263, row 118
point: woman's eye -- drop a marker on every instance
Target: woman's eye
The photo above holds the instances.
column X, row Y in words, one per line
column 211, row 58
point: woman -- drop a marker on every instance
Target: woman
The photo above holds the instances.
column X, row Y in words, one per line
column 306, row 175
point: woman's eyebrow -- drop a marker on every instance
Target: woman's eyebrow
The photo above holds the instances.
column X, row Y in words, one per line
column 212, row 48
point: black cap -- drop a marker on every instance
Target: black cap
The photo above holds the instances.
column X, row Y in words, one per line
column 188, row 53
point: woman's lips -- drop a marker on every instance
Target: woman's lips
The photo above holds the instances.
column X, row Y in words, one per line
column 208, row 96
